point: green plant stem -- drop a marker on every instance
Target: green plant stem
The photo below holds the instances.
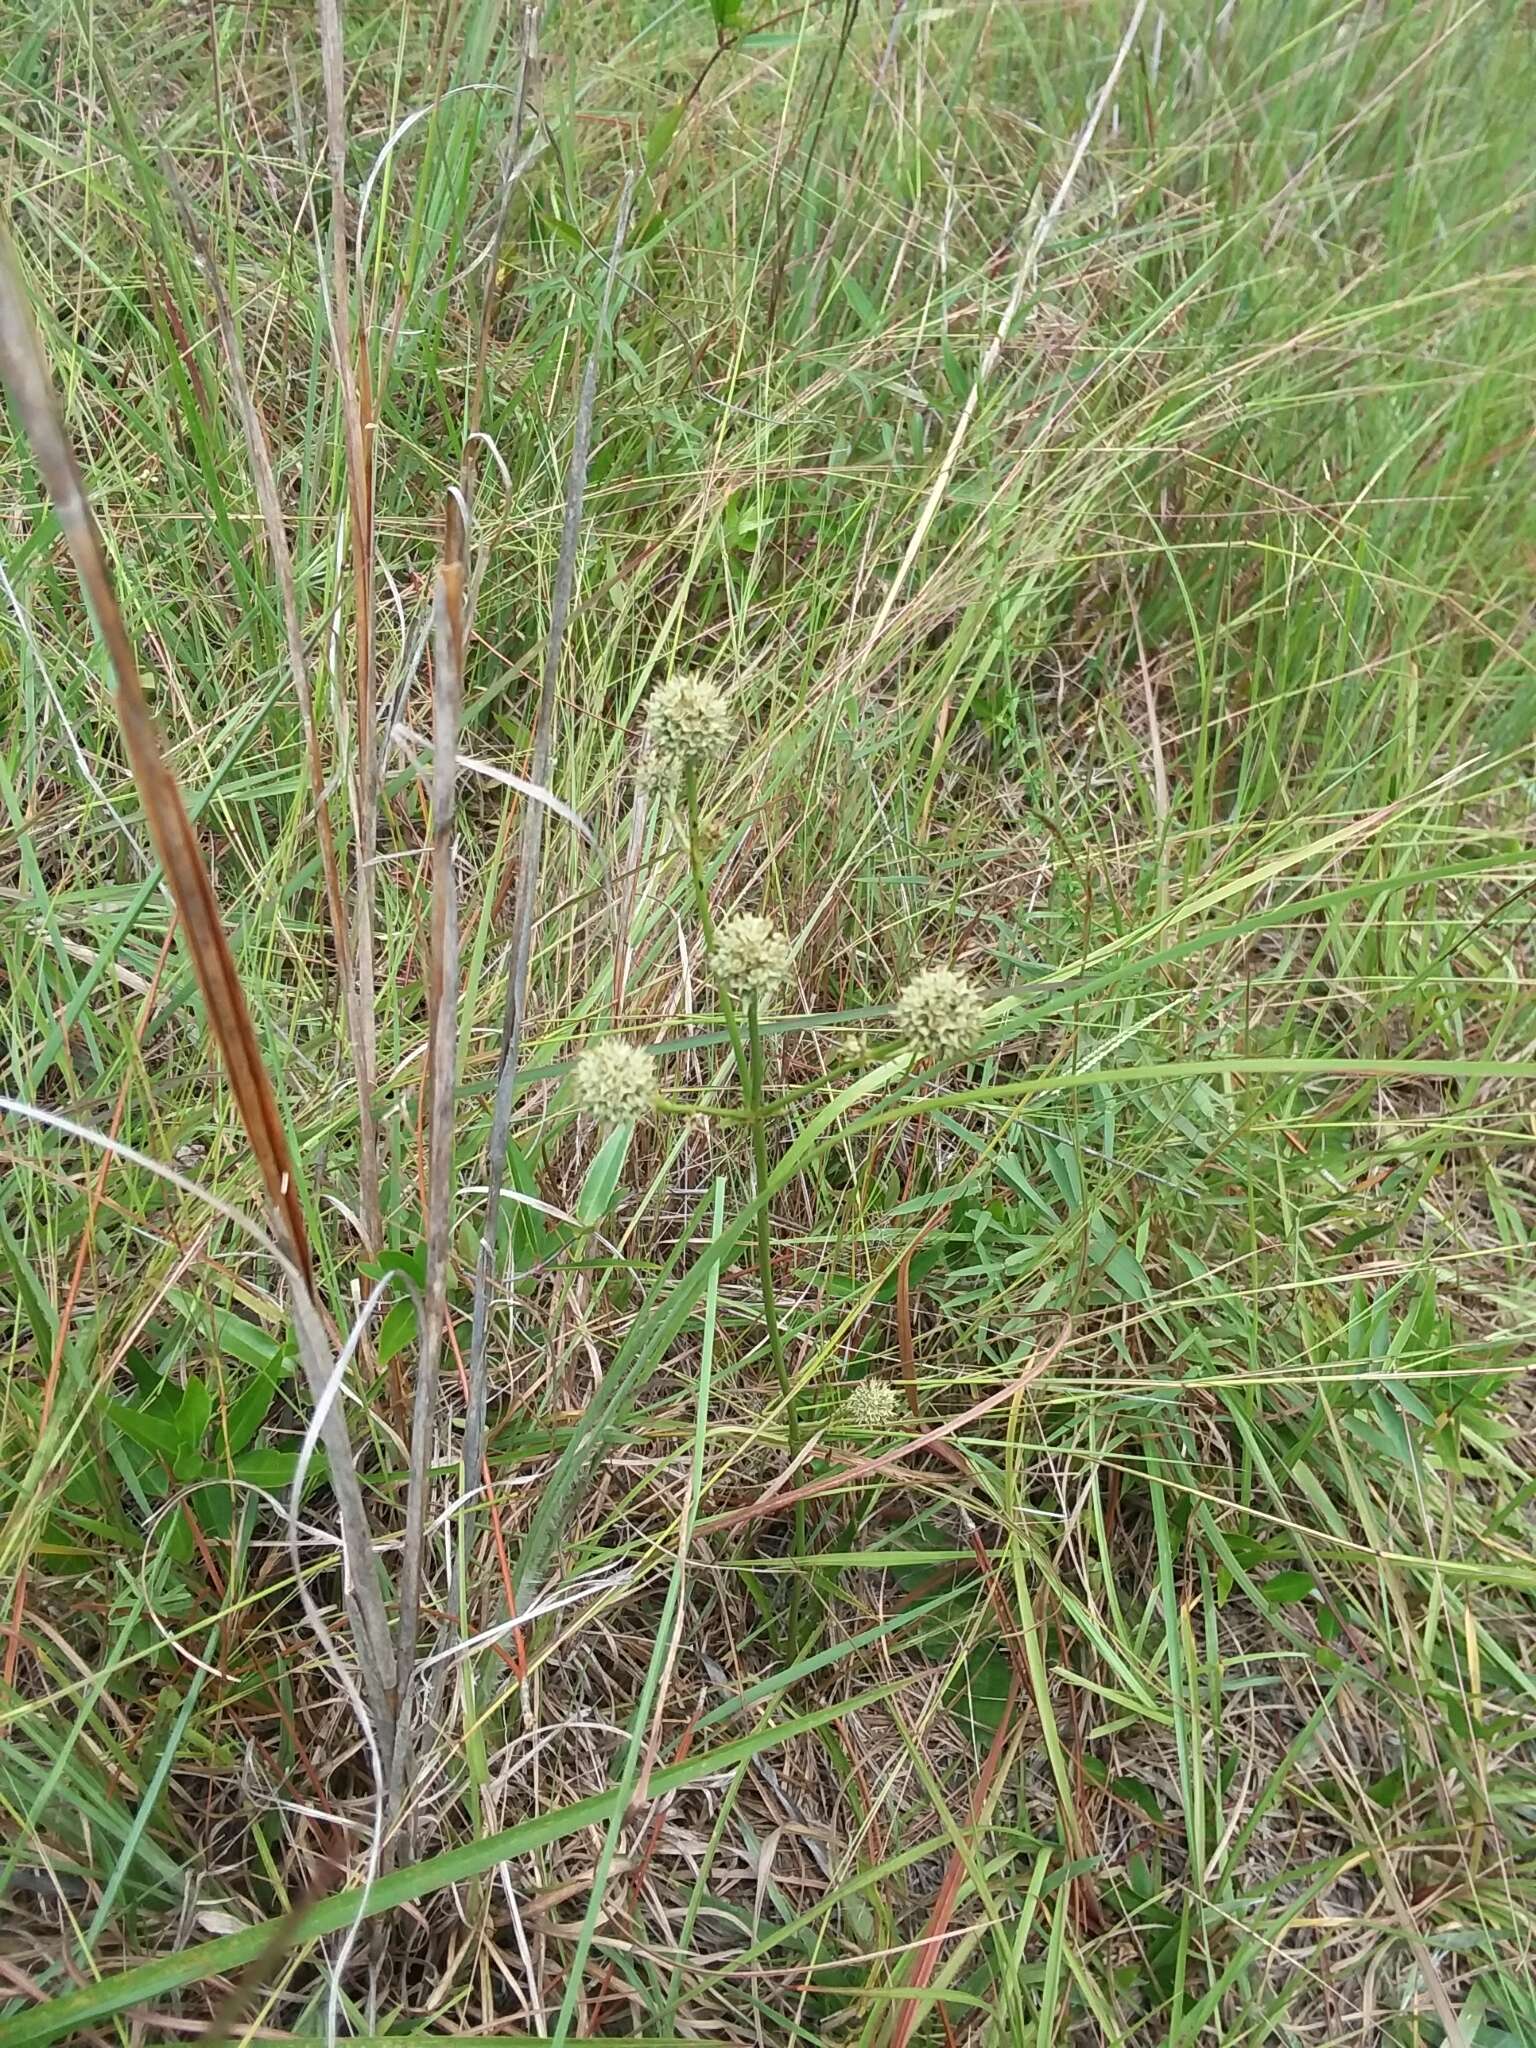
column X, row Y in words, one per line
column 706, row 916
column 764, row 1229
column 750, row 1067
column 754, row 1077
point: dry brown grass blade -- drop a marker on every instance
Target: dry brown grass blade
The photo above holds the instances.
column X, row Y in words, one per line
column 26, row 376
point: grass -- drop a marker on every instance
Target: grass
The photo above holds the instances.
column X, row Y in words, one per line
column 1128, row 604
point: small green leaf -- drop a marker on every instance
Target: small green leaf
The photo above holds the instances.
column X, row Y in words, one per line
column 1139, row 1876
column 863, row 305
column 410, row 1266
column 531, row 1234
column 31, row 1294
column 1138, row 1794
column 193, row 1414
column 659, row 141
column 1286, row 1587
column 275, row 1469
column 563, row 229
column 149, row 1432
column 248, row 1343
column 601, row 1183
column 250, row 1407
column 980, row 1689
column 397, row 1329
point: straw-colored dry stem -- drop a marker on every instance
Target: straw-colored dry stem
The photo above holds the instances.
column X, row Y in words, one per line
column 442, row 1065
column 356, row 408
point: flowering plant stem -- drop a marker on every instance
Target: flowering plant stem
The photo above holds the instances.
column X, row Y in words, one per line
column 750, row 1066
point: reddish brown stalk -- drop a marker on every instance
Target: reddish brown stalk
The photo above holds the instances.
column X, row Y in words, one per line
column 184, row 346
column 504, row 1563
column 26, row 375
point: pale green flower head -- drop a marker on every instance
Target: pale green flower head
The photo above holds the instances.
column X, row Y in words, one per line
column 615, row 1082
column 874, row 1405
column 939, row 1012
column 751, row 957
column 689, row 724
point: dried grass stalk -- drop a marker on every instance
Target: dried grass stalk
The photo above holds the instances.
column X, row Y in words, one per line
column 442, row 1064
column 356, row 408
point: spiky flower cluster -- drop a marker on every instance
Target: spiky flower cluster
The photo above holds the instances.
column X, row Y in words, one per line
column 874, row 1405
column 689, row 725
column 939, row 1012
column 750, row 957
column 614, row 1082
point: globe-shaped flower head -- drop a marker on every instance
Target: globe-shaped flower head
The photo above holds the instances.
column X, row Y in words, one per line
column 874, row 1405
column 939, row 1012
column 690, row 726
column 614, row 1082
column 750, row 957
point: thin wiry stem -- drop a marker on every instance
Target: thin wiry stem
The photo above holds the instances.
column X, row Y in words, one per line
column 529, row 851
column 706, row 915
column 354, row 406
column 447, row 703
column 764, row 1226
